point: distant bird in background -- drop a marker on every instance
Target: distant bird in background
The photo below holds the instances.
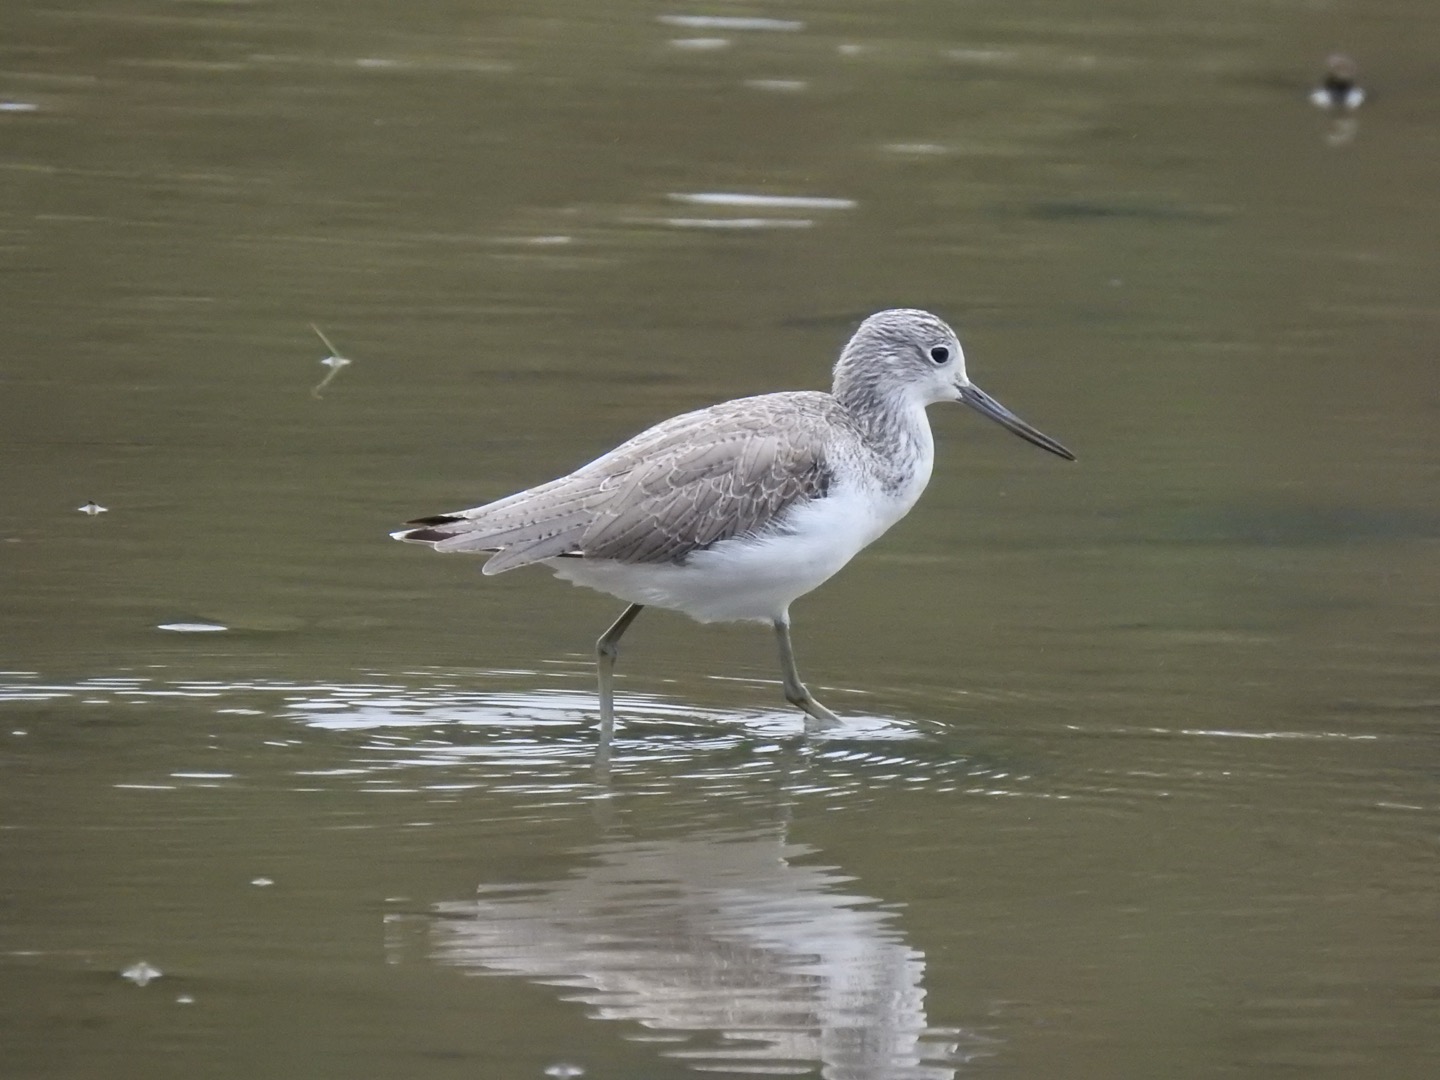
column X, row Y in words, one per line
column 1338, row 90
column 732, row 512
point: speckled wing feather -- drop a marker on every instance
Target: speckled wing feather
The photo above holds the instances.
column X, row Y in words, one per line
column 683, row 485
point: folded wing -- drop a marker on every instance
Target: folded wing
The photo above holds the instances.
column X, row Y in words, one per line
column 682, row 486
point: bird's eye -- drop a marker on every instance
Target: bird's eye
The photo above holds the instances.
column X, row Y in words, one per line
column 940, row 354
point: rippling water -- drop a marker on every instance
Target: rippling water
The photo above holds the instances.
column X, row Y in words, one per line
column 671, row 895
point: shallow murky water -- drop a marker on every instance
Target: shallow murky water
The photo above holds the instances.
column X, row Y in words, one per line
column 1137, row 775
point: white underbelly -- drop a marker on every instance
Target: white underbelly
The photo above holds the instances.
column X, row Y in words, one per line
column 745, row 579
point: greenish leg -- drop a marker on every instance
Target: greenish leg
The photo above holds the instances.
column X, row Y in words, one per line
column 795, row 691
column 606, row 649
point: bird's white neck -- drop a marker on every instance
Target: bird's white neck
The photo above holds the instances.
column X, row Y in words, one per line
column 895, row 432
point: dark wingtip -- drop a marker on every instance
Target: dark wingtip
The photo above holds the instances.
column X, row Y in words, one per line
column 427, row 530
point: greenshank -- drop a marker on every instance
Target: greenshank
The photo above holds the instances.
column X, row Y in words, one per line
column 732, row 512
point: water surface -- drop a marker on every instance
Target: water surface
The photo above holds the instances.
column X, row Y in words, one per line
column 1137, row 775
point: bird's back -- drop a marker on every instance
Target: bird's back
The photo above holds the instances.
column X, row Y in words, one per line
column 685, row 484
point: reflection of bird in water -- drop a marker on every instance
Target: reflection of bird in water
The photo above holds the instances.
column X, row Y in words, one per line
column 730, row 947
column 1338, row 90
column 732, row 512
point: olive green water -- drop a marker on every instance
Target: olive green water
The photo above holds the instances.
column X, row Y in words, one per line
column 1139, row 775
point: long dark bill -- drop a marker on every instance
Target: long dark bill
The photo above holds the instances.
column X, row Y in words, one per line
column 986, row 405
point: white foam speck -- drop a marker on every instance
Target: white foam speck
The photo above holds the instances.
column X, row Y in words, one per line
column 707, row 44
column 537, row 241
column 982, row 56
column 738, row 223
column 918, row 149
column 786, row 202
column 779, row 85
column 730, row 22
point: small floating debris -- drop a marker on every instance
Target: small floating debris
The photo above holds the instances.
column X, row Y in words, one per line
column 730, row 22
column 192, row 627
column 334, row 362
column 185, row 999
column 786, row 202
column 19, row 106
column 262, row 882
column 92, row 508
column 141, row 973
column 1338, row 90
column 562, row 1070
